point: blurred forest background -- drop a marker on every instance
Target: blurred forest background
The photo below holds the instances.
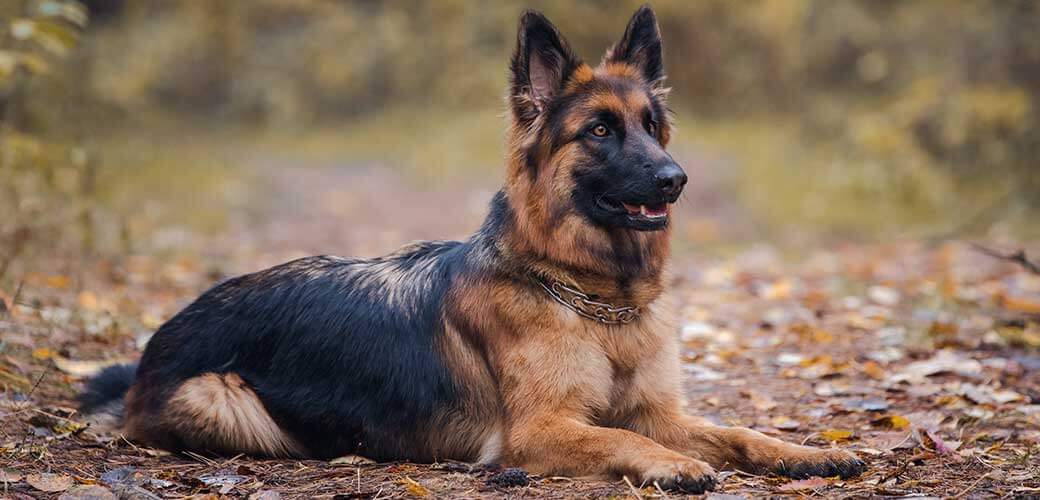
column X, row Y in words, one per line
column 860, row 119
column 840, row 153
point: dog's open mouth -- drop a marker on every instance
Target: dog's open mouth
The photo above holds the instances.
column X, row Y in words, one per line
column 649, row 211
column 638, row 212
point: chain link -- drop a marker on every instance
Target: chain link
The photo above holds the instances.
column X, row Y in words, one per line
column 587, row 308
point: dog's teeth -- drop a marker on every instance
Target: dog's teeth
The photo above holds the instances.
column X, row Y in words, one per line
column 642, row 209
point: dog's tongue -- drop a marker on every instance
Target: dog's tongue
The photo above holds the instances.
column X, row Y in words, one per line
column 657, row 210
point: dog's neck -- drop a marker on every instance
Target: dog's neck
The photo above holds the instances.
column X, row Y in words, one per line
column 623, row 267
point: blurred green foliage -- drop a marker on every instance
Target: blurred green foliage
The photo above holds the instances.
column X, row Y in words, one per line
column 955, row 82
column 45, row 185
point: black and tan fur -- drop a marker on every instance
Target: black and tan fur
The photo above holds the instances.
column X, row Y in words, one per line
column 454, row 350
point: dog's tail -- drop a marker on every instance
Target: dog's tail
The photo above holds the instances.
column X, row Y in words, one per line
column 102, row 400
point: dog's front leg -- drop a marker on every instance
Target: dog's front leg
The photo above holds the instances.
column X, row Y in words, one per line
column 758, row 453
column 566, row 446
column 749, row 450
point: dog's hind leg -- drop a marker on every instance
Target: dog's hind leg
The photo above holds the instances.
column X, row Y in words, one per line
column 219, row 413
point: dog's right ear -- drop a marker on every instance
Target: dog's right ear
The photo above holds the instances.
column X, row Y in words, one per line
column 541, row 65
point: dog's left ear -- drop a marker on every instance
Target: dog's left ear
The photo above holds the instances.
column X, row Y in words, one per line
column 640, row 46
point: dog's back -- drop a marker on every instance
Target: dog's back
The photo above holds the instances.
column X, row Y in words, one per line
column 317, row 357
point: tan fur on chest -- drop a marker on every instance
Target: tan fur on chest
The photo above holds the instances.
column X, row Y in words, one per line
column 593, row 371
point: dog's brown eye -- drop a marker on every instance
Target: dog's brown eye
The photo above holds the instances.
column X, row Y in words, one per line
column 600, row 130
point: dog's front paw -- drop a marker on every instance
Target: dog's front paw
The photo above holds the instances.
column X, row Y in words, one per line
column 688, row 476
column 822, row 463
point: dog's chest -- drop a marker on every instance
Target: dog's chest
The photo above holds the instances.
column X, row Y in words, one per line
column 634, row 354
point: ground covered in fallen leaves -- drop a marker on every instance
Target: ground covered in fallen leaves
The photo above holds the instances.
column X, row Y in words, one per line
column 923, row 358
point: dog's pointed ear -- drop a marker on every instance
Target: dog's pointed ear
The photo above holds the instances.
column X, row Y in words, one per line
column 640, row 46
column 541, row 65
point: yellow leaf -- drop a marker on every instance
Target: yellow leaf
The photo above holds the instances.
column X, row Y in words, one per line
column 33, row 64
column 42, row 353
column 836, row 435
column 88, row 300
column 873, row 370
column 892, row 422
column 778, row 290
column 57, row 281
column 821, row 336
column 15, row 379
column 69, row 427
column 823, row 359
column 8, row 61
column 414, row 488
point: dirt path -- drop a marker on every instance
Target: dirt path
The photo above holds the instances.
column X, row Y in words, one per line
column 923, row 360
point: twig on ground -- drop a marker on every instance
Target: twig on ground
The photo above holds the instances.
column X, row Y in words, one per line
column 971, row 486
column 29, row 395
column 231, row 460
column 896, row 473
column 201, row 459
column 632, row 487
column 1018, row 257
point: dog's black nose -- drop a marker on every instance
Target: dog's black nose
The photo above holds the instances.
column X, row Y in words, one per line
column 670, row 179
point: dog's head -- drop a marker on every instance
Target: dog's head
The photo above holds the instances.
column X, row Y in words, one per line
column 590, row 142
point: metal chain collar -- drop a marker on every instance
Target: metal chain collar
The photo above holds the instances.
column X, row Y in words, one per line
column 586, row 307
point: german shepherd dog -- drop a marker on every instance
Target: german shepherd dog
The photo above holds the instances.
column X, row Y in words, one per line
column 544, row 341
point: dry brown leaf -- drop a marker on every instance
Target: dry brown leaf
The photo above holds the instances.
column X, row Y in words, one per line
column 873, row 370
column 892, row 440
column 10, row 475
column 944, row 361
column 51, row 483
column 941, row 446
column 88, row 492
column 88, row 300
column 805, row 484
column 351, row 460
column 265, row 495
column 760, row 401
column 1019, row 304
